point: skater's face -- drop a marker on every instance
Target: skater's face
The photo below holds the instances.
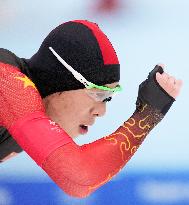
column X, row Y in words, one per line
column 76, row 110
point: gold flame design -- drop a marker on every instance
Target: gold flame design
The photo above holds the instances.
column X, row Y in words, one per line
column 128, row 145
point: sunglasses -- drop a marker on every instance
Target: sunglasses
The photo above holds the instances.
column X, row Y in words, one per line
column 103, row 93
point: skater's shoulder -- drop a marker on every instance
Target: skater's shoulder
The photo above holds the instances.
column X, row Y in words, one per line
column 8, row 57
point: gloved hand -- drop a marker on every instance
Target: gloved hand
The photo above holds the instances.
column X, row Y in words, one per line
column 151, row 93
column 18, row 96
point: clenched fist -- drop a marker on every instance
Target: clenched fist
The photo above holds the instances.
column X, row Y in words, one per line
column 159, row 90
column 169, row 83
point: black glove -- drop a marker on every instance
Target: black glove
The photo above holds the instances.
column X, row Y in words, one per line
column 151, row 93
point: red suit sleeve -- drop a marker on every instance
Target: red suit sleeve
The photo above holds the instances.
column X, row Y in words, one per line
column 78, row 170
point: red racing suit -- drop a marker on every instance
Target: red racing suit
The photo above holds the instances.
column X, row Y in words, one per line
column 78, row 170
